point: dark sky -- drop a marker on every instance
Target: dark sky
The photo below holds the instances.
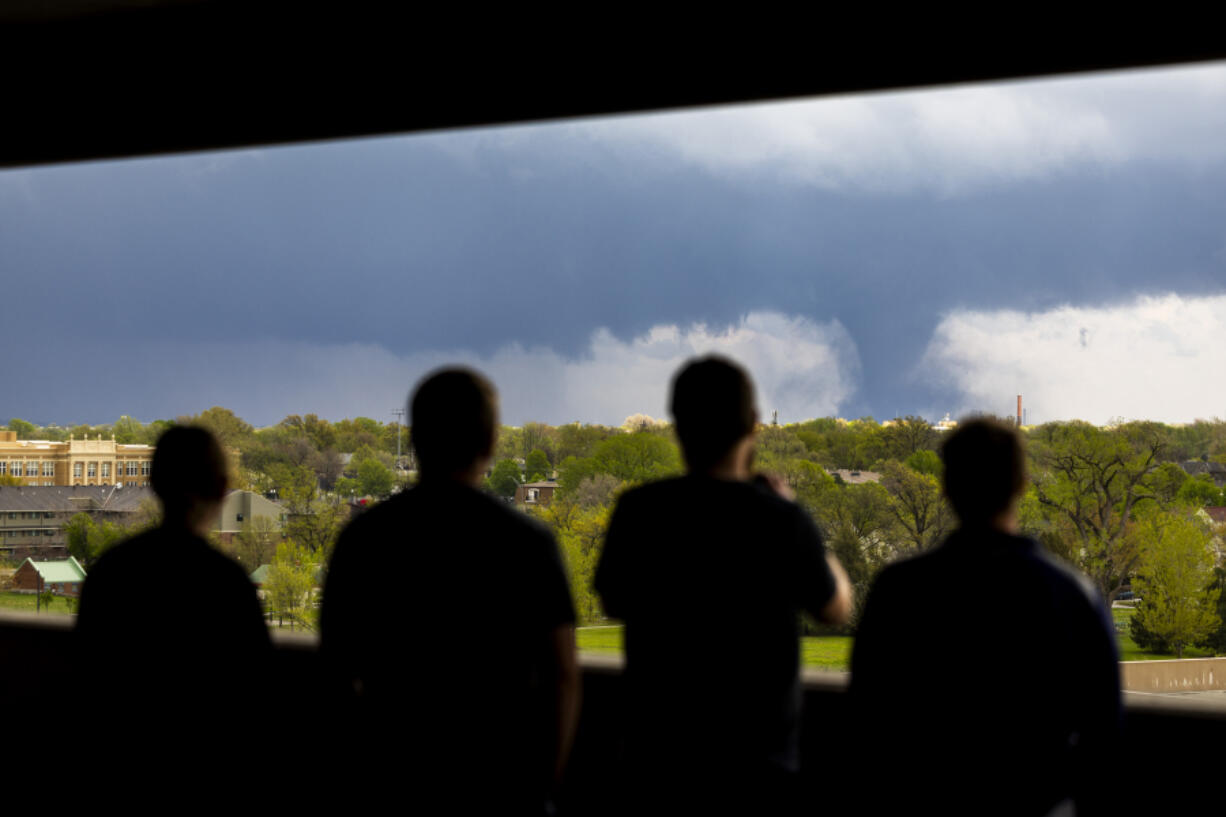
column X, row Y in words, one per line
column 843, row 248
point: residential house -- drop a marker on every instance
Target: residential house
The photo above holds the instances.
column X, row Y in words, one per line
column 63, row 577
column 535, row 494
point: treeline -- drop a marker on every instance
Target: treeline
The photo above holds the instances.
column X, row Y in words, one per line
column 1113, row 501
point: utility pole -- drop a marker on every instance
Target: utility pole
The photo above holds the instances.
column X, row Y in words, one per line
column 398, row 413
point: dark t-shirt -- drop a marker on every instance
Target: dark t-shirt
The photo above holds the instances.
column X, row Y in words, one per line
column 175, row 655
column 439, row 607
column 984, row 664
column 709, row 577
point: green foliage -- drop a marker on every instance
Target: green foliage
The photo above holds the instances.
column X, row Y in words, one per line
column 1217, row 639
column 637, row 457
column 504, row 479
column 88, row 539
column 537, row 466
column 374, row 478
column 289, row 586
column 579, row 441
column 924, row 516
column 1091, row 480
column 46, row 598
column 580, row 533
column 1199, row 491
column 1167, row 480
column 25, row 430
column 229, row 429
column 907, row 436
column 256, row 543
column 926, row 461
column 1178, row 608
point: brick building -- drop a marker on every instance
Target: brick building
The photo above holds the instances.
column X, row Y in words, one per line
column 32, row 518
column 46, row 463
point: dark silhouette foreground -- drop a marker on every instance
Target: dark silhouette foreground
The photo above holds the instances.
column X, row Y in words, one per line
column 984, row 673
column 710, row 572
column 171, row 636
column 448, row 622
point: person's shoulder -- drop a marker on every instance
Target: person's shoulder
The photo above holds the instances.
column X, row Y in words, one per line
column 121, row 557
column 1057, row 574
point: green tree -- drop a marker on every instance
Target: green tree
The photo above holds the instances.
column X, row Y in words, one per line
column 374, row 478
column 1094, row 479
column 88, row 539
column 256, row 543
column 859, row 526
column 229, row 429
column 290, row 584
column 637, row 457
column 926, row 461
column 1199, row 491
column 906, row 436
column 1178, row 608
column 504, row 479
column 25, row 430
column 537, row 466
column 580, row 533
column 923, row 514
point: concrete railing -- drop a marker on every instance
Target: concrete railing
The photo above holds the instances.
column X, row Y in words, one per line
column 1186, row 675
column 37, row 671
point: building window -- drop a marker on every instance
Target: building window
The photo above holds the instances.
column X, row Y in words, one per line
column 132, row 470
column 76, row 470
column 31, row 469
column 144, row 468
column 15, row 470
column 4, row 468
column 93, row 469
column 106, row 470
column 48, row 469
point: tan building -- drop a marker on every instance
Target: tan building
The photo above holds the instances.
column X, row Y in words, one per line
column 75, row 462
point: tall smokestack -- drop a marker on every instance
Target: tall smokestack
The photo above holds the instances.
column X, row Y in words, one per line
column 1019, row 411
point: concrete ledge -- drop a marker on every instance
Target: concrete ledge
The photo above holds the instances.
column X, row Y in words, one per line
column 1186, row 675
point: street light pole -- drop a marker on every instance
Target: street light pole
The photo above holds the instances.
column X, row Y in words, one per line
column 398, row 413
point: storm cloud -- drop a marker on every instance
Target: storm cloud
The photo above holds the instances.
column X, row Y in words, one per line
column 881, row 215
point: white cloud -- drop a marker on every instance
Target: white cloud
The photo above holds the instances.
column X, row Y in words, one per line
column 802, row 369
column 947, row 140
column 1157, row 358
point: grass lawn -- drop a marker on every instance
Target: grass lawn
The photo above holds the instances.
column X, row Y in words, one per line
column 832, row 652
column 26, row 603
column 1129, row 651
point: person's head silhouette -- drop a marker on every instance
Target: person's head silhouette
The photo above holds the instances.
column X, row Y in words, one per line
column 189, row 477
column 713, row 408
column 985, row 472
column 453, row 417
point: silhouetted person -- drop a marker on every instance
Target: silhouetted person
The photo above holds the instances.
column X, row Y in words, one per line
column 173, row 639
column 984, row 674
column 448, row 617
column 710, row 573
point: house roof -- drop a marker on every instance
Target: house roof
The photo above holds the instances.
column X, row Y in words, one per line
column 260, row 574
column 60, row 570
column 70, row 499
column 548, row 484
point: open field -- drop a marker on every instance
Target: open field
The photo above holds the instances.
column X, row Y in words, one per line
column 26, row 603
column 833, row 652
